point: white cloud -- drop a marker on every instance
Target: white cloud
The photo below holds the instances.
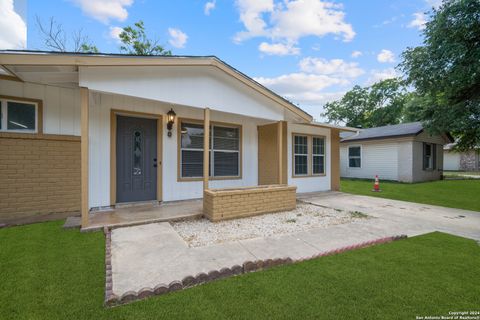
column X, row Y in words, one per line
column 307, row 87
column 251, row 12
column 105, row 10
column 356, row 54
column 13, row 28
column 278, row 49
column 334, row 67
column 385, row 56
column 286, row 22
column 209, row 6
column 115, row 33
column 178, row 39
column 293, row 84
column 378, row 75
column 418, row 21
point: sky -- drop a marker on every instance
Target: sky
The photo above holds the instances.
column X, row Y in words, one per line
column 309, row 51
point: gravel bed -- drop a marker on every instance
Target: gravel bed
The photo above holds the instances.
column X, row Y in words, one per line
column 202, row 232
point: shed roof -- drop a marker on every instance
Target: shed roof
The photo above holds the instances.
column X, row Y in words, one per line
column 390, row 131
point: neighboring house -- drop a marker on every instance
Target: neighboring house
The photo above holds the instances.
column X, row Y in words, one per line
column 403, row 152
column 81, row 132
column 461, row 160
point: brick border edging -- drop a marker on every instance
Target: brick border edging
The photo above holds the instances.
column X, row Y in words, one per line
column 112, row 300
column 109, row 295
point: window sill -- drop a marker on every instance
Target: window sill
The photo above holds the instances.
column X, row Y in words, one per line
column 309, row 176
column 209, row 179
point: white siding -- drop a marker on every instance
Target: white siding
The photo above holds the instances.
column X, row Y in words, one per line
column 101, row 104
column 61, row 106
column 405, row 161
column 314, row 183
column 190, row 86
column 379, row 158
column 451, row 160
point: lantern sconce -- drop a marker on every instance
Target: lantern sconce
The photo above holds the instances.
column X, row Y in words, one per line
column 170, row 121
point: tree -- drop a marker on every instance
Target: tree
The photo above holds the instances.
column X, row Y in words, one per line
column 136, row 42
column 381, row 104
column 445, row 71
column 55, row 38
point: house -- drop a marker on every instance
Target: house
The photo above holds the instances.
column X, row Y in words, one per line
column 83, row 132
column 402, row 152
column 461, row 160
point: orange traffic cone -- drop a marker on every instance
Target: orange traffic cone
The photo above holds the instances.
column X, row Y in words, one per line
column 376, row 186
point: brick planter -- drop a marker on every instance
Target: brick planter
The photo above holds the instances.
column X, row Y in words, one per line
column 222, row 204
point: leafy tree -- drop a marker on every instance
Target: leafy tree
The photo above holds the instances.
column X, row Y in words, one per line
column 55, row 38
column 445, row 71
column 378, row 105
column 135, row 41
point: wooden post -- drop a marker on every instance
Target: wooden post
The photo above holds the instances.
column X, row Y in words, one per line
column 335, row 159
column 280, row 151
column 84, row 155
column 206, row 147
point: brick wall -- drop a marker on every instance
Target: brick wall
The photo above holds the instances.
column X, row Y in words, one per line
column 39, row 175
column 222, row 204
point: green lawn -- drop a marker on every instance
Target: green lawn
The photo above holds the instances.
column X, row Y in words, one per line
column 50, row 273
column 462, row 194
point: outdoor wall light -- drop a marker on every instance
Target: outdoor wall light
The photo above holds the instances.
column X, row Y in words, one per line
column 170, row 121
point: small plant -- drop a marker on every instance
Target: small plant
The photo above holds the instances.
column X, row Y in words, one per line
column 358, row 214
column 291, row 220
column 338, row 210
column 299, row 214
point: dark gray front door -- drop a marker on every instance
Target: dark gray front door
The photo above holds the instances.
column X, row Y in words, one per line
column 136, row 159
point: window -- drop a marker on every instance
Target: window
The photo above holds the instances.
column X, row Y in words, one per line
column 300, row 149
column 224, row 151
column 318, row 155
column 18, row 116
column 354, row 157
column 429, row 156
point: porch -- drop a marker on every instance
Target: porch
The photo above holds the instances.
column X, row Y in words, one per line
column 138, row 214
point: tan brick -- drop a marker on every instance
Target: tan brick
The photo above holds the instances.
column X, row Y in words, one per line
column 38, row 176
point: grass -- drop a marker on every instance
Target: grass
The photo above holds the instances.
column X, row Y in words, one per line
column 462, row 194
column 50, row 273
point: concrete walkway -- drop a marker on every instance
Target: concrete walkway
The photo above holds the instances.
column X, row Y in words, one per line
column 149, row 255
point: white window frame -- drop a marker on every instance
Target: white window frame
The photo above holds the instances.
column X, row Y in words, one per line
column 319, row 155
column 4, row 115
column 300, row 154
column 212, row 152
column 430, row 157
column 355, row 157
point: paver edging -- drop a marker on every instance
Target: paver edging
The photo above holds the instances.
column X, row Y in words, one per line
column 112, row 300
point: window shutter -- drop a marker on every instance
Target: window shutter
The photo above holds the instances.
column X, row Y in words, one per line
column 434, row 161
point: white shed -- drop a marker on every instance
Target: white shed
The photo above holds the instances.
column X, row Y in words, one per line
column 403, row 152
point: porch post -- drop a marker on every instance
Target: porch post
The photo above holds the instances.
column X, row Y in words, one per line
column 335, row 159
column 84, row 97
column 280, row 151
column 206, row 147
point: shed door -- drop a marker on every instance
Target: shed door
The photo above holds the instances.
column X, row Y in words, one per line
column 136, row 159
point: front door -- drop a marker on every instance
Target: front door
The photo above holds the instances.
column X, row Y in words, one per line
column 136, row 159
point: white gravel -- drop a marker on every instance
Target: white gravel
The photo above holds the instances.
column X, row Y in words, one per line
column 202, row 232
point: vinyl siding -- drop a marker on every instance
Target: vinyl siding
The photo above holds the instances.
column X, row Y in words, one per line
column 379, row 158
column 61, row 106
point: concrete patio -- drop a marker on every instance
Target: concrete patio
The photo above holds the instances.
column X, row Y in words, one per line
column 153, row 254
column 145, row 213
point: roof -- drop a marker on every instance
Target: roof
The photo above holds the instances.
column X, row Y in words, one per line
column 45, row 58
column 332, row 126
column 391, row 131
